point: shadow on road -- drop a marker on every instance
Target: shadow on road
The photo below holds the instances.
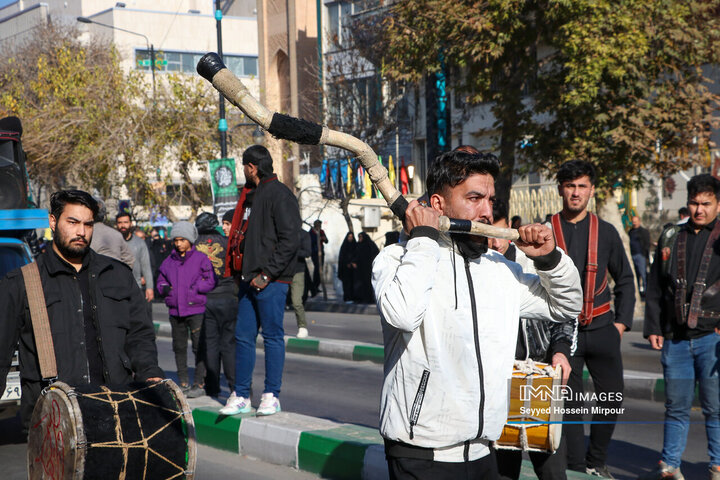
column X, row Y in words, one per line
column 641, row 346
column 631, row 460
column 11, row 431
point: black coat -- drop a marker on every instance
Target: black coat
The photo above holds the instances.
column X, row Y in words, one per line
column 639, row 241
column 303, row 251
column 345, row 257
column 271, row 241
column 214, row 246
column 365, row 253
column 126, row 334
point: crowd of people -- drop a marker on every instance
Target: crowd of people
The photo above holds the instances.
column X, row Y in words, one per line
column 456, row 310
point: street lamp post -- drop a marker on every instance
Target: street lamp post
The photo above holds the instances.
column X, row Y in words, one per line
column 222, row 123
column 149, row 45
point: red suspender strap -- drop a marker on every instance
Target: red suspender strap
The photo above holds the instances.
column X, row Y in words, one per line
column 589, row 292
column 557, row 231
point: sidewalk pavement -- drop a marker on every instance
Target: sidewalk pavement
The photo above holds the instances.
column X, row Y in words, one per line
column 326, row 448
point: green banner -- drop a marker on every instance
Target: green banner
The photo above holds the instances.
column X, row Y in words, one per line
column 224, row 184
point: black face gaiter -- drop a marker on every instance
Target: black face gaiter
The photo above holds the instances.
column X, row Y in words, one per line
column 468, row 247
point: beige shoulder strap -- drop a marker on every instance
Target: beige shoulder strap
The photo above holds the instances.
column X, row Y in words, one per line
column 41, row 324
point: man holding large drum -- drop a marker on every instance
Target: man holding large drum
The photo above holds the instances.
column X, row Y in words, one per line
column 97, row 314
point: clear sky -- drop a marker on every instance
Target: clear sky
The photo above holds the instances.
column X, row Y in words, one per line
column 6, row 2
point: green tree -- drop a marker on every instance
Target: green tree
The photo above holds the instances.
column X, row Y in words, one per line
column 72, row 99
column 87, row 123
column 605, row 81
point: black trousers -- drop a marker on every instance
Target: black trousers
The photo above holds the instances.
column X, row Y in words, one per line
column 182, row 328
column 420, row 467
column 415, row 469
column 315, row 286
column 546, row 466
column 600, row 351
column 217, row 342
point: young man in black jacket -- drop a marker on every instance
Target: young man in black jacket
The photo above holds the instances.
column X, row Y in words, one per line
column 269, row 258
column 582, row 235
column 682, row 315
column 98, row 320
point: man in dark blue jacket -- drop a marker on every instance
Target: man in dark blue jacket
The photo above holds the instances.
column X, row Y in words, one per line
column 269, row 253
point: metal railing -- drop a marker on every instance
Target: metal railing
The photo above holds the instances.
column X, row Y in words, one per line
column 534, row 201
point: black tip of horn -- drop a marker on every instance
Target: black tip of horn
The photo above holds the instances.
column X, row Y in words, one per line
column 209, row 65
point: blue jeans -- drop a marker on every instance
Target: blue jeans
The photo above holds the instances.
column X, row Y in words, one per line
column 260, row 309
column 640, row 270
column 685, row 362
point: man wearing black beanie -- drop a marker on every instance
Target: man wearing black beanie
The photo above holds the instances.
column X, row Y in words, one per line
column 227, row 221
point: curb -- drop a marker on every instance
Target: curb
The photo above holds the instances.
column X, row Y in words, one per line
column 323, row 447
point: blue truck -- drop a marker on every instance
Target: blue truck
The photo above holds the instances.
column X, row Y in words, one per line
column 16, row 227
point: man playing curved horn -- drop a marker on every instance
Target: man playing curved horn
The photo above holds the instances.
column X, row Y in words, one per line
column 449, row 312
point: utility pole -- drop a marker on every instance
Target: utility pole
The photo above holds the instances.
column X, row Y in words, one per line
column 222, row 123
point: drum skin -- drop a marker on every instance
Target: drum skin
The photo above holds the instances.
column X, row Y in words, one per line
column 535, row 435
column 137, row 431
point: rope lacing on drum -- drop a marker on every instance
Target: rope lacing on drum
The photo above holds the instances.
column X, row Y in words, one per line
column 129, row 396
column 529, row 367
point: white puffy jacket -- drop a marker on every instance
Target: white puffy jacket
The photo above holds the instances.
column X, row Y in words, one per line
column 449, row 354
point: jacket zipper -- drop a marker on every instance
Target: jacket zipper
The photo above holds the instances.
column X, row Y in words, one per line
column 477, row 348
column 93, row 298
column 417, row 403
column 82, row 319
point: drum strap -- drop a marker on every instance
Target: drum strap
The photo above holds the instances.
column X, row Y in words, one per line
column 691, row 312
column 40, row 323
column 589, row 310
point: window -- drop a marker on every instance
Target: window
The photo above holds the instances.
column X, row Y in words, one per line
column 185, row 62
column 355, row 103
column 333, row 19
column 340, row 17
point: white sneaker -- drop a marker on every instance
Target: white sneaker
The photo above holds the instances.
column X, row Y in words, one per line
column 269, row 404
column 235, row 405
column 302, row 332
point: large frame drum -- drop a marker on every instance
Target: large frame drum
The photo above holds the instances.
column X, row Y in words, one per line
column 139, row 431
column 535, row 414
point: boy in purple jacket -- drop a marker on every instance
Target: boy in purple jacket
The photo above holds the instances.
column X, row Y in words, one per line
column 183, row 279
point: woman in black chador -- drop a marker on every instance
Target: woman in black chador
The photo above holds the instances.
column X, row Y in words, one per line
column 365, row 253
column 345, row 265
